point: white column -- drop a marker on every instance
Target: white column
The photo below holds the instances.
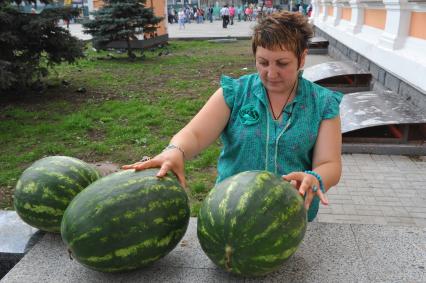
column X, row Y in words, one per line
column 397, row 24
column 315, row 11
column 357, row 19
column 337, row 11
column 324, row 4
column 90, row 6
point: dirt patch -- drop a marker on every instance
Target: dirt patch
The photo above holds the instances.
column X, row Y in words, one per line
column 6, row 197
column 106, row 167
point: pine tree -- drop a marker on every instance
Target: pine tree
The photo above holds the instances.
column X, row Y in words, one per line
column 31, row 43
column 121, row 20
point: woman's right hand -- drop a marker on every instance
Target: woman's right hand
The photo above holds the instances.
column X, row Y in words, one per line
column 169, row 160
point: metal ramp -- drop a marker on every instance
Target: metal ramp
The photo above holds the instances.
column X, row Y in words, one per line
column 343, row 76
column 318, row 45
column 382, row 123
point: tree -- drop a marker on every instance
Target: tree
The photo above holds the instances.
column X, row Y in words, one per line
column 31, row 43
column 121, row 20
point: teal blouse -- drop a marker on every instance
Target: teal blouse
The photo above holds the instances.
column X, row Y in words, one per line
column 253, row 140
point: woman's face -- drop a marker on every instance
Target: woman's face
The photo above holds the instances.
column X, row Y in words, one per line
column 278, row 68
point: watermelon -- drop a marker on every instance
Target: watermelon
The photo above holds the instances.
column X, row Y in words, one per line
column 45, row 189
column 126, row 220
column 250, row 223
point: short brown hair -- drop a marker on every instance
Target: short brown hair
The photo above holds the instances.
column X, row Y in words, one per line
column 283, row 30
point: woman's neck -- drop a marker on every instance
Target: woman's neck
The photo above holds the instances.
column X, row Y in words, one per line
column 278, row 101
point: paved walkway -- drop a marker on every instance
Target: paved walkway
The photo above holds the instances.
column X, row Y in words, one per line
column 193, row 30
column 374, row 189
column 211, row 30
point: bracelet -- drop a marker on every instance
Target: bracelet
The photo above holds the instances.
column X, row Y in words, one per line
column 173, row 146
column 316, row 175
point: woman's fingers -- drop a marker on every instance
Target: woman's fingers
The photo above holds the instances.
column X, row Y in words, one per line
column 129, row 166
column 305, row 186
column 181, row 179
column 308, row 200
column 322, row 197
column 304, row 183
column 141, row 165
column 166, row 167
column 295, row 178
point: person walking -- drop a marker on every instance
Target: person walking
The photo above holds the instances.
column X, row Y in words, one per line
column 181, row 19
column 210, row 14
column 231, row 14
column 239, row 12
column 224, row 12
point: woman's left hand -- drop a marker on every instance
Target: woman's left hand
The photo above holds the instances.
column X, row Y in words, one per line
column 305, row 183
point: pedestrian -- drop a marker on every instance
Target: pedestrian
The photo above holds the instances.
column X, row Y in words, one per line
column 224, row 12
column 181, row 19
column 210, row 14
column 273, row 120
column 231, row 14
column 239, row 12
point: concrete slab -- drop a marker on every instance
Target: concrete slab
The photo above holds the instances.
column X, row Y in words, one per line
column 329, row 253
column 14, row 233
column 15, row 238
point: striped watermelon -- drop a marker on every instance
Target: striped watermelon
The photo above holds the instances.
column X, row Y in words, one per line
column 250, row 223
column 126, row 220
column 45, row 189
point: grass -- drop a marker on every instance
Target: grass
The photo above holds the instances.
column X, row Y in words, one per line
column 129, row 109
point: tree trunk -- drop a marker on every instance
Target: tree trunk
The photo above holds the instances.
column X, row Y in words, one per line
column 130, row 53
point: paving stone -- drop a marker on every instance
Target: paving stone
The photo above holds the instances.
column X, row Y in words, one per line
column 394, row 220
column 371, row 219
column 420, row 222
column 370, row 212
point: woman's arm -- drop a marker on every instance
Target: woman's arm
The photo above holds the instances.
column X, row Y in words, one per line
column 198, row 134
column 205, row 127
column 326, row 162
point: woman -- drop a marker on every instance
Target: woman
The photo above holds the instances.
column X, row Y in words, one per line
column 181, row 19
column 272, row 120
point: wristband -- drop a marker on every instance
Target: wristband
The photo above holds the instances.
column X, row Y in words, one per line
column 172, row 146
column 316, row 175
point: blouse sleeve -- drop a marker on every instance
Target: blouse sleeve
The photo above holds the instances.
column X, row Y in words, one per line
column 227, row 84
column 331, row 105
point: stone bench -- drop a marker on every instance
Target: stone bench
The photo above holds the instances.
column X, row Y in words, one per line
column 328, row 253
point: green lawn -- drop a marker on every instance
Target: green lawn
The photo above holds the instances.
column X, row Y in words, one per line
column 129, row 109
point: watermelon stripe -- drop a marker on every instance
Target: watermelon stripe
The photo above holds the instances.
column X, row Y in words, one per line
column 134, row 266
column 127, row 186
column 47, row 172
column 126, row 231
column 87, row 172
column 139, row 213
column 132, row 250
column 43, row 209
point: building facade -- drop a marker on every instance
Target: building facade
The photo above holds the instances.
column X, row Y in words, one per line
column 386, row 37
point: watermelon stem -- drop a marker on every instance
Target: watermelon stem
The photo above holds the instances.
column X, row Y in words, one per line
column 228, row 255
